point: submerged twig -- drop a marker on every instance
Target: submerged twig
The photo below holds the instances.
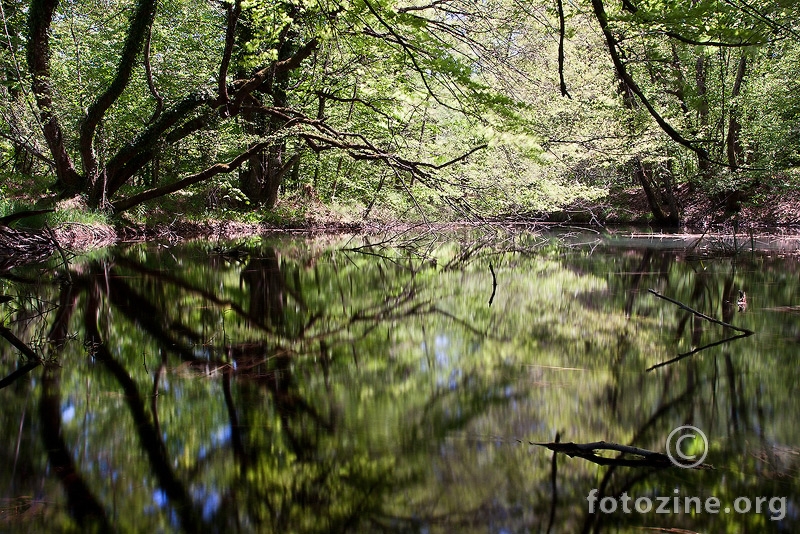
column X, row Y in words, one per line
column 60, row 252
column 702, row 315
column 494, row 284
column 695, row 351
column 647, row 458
column 19, row 344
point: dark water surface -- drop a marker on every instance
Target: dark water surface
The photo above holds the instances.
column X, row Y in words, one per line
column 316, row 385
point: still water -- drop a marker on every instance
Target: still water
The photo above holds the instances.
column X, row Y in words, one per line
column 344, row 384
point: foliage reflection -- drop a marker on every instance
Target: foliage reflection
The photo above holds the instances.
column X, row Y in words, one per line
column 305, row 386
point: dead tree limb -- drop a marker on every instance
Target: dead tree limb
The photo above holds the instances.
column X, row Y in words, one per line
column 701, row 315
column 494, row 284
column 695, row 351
column 19, row 344
column 587, row 451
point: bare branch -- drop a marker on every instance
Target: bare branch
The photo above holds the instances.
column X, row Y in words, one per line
column 409, row 52
column 701, row 315
column 457, row 159
column 679, row 357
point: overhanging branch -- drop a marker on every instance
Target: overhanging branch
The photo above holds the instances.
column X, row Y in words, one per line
column 624, row 75
column 139, row 28
column 219, row 168
column 254, row 82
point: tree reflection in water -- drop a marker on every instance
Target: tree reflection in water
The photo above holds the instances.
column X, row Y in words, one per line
column 253, row 339
column 295, row 387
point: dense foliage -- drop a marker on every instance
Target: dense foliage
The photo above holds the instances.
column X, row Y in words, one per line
column 491, row 108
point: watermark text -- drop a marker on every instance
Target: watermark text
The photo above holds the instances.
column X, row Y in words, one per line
column 676, row 504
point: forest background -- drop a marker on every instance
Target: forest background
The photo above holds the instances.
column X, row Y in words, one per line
column 660, row 111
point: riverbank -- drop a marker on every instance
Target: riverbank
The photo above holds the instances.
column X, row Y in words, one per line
column 772, row 213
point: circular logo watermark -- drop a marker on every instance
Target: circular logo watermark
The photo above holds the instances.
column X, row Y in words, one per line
column 683, row 454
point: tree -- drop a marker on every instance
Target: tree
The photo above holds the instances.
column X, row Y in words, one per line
column 372, row 99
column 265, row 89
column 662, row 40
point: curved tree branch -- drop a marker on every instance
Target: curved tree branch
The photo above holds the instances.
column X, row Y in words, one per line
column 622, row 72
column 219, row 168
column 135, row 155
column 248, row 86
column 233, row 13
column 119, row 169
column 149, row 73
column 140, row 24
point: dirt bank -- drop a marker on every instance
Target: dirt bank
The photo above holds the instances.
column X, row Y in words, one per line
column 770, row 212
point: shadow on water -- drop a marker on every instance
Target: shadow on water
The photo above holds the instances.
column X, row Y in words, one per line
column 324, row 386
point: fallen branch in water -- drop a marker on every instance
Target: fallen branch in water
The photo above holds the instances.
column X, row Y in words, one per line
column 695, row 351
column 586, row 451
column 702, row 315
column 19, row 344
column 494, row 284
column 647, row 458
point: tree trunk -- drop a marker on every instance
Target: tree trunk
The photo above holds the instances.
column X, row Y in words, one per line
column 251, row 179
column 134, row 41
column 262, row 180
column 732, row 141
column 706, row 169
column 274, row 175
column 660, row 197
column 40, row 16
